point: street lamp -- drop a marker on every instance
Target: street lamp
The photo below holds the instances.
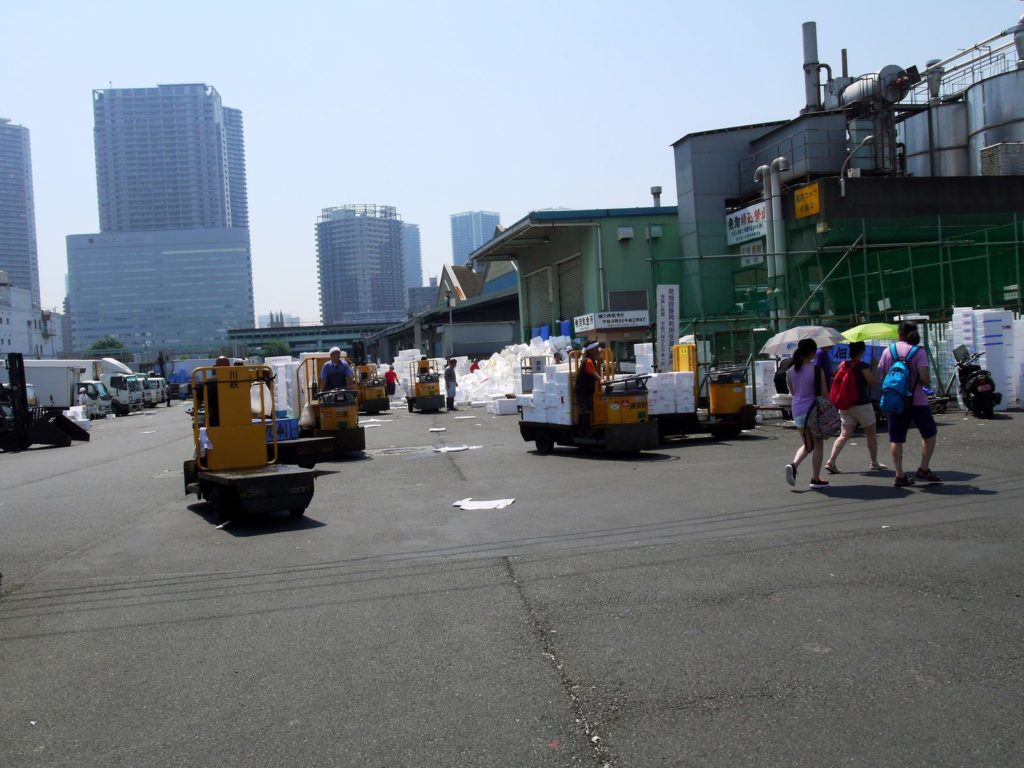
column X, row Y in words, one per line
column 846, row 162
column 449, row 299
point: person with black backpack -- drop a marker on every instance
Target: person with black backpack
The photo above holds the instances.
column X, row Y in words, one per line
column 907, row 354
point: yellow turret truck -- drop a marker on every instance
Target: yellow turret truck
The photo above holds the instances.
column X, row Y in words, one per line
column 230, row 467
column 370, row 389
column 617, row 421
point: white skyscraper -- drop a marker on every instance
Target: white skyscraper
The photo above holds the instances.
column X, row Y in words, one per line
column 470, row 230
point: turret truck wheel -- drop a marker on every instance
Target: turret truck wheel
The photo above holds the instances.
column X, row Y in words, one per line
column 544, row 442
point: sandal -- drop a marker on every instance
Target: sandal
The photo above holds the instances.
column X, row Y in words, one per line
column 832, row 469
column 874, row 466
column 903, row 481
column 927, row 474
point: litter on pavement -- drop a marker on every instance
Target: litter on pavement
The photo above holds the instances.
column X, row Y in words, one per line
column 494, row 504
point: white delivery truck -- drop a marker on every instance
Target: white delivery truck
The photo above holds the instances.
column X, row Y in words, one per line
column 121, row 382
column 57, row 384
column 125, row 386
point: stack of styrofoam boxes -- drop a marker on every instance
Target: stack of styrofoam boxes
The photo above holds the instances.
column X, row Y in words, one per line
column 963, row 328
column 551, row 402
column 963, row 333
column 992, row 339
column 940, row 345
column 670, row 392
column 401, row 365
column 661, row 394
column 764, row 383
column 1011, row 361
column 284, row 369
column 644, row 354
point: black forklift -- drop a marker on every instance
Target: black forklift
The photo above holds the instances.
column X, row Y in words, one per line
column 22, row 424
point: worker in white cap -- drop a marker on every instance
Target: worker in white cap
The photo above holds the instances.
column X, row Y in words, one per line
column 336, row 373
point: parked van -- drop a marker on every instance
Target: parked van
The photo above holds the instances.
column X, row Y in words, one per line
column 156, row 387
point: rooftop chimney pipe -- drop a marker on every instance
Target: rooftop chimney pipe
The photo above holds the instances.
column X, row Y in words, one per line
column 656, row 194
column 811, row 95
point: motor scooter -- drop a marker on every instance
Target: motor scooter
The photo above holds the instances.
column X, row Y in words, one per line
column 975, row 385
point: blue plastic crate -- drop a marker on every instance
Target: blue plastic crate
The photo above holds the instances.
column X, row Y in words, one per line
column 287, row 429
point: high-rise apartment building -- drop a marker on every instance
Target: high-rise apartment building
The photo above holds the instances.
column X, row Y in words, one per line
column 169, row 157
column 171, row 269
column 18, row 251
column 470, row 230
column 360, row 269
column 412, row 255
column 236, row 167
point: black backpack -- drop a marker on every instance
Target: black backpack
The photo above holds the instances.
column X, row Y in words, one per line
column 781, row 387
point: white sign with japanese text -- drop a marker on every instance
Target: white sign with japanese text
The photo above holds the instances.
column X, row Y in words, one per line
column 603, row 321
column 668, row 324
column 747, row 224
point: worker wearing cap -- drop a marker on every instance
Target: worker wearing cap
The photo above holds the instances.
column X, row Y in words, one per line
column 336, row 372
column 587, row 379
column 83, row 400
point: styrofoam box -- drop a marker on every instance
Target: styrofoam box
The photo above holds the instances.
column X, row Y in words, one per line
column 502, row 407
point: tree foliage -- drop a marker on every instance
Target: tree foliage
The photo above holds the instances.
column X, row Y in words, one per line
column 105, row 344
column 275, row 348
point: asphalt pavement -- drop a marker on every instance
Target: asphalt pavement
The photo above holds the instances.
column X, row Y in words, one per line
column 684, row 607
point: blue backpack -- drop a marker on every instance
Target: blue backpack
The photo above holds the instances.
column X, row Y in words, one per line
column 897, row 391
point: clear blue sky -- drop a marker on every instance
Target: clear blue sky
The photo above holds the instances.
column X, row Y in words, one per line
column 439, row 107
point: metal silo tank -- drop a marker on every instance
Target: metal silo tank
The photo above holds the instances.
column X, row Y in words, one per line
column 995, row 113
column 949, row 138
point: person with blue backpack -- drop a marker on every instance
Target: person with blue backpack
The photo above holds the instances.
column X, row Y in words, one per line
column 903, row 369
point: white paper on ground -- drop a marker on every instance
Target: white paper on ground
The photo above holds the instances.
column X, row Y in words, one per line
column 460, row 418
column 454, row 448
column 437, row 429
column 494, row 504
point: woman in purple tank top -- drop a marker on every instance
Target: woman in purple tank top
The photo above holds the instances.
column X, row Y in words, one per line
column 801, row 380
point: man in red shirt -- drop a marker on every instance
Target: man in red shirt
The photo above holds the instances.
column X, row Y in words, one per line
column 390, row 381
column 588, row 378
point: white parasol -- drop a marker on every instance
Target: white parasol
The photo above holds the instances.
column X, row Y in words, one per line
column 784, row 342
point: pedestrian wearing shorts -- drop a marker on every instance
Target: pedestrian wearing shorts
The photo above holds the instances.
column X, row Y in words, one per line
column 800, row 378
column 861, row 413
column 918, row 414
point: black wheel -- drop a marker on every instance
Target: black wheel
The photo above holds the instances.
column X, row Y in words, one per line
column 986, row 413
column 411, row 404
column 544, row 442
column 725, row 431
column 297, row 512
column 218, row 507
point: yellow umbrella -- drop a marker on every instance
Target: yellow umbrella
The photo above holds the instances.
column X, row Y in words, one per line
column 872, row 332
